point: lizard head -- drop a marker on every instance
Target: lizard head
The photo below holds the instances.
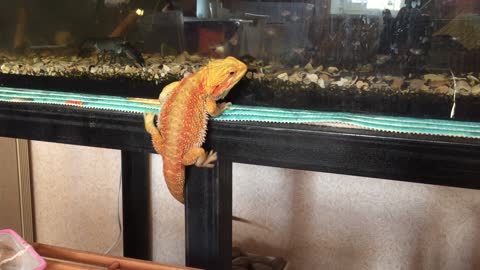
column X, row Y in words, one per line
column 222, row 75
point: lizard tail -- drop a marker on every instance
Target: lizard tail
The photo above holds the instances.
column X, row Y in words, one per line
column 174, row 174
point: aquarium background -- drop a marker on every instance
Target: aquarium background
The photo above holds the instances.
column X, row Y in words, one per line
column 409, row 57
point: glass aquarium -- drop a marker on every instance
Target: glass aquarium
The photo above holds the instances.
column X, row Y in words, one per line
column 395, row 57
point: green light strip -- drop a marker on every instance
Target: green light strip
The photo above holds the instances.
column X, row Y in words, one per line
column 255, row 114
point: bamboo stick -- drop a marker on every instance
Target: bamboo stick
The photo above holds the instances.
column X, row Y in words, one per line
column 56, row 265
column 19, row 38
column 124, row 24
column 99, row 260
column 150, row 101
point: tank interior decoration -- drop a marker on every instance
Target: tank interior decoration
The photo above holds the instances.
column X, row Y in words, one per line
column 397, row 57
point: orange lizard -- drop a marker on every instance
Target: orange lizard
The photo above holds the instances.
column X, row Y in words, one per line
column 182, row 122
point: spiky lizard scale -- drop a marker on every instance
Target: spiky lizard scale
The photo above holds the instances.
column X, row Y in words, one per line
column 182, row 124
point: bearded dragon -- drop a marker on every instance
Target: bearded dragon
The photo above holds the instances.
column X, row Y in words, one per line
column 182, row 121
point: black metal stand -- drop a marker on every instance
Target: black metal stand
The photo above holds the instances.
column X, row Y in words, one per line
column 208, row 217
column 415, row 158
column 136, row 206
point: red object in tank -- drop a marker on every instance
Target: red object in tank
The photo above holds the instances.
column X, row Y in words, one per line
column 74, row 102
column 207, row 38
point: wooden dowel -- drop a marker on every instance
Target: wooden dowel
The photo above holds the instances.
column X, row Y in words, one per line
column 99, row 260
column 150, row 101
column 19, row 38
column 56, row 265
column 124, row 24
column 114, row 266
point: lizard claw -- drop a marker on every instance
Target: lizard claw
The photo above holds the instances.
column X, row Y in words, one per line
column 208, row 161
column 148, row 117
column 149, row 122
column 224, row 106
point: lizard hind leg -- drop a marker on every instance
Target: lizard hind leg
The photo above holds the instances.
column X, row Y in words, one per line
column 150, row 127
column 200, row 158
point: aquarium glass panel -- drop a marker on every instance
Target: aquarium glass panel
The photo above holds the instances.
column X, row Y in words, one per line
column 396, row 57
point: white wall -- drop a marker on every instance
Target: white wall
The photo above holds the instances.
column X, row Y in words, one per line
column 75, row 195
column 315, row 220
column 10, row 207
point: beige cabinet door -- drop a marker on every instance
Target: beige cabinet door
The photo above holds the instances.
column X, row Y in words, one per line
column 15, row 193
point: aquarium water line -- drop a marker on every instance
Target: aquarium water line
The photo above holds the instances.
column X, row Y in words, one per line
column 241, row 113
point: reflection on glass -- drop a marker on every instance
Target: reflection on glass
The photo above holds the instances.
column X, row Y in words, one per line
column 387, row 47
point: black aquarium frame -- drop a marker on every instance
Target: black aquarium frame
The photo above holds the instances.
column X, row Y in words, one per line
column 432, row 160
column 274, row 94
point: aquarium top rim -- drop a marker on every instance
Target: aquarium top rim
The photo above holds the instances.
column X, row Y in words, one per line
column 242, row 113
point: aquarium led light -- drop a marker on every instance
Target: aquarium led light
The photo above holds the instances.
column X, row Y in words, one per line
column 139, row 12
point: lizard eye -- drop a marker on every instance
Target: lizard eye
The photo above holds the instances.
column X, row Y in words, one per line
column 232, row 72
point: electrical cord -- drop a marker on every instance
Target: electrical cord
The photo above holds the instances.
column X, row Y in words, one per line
column 119, row 220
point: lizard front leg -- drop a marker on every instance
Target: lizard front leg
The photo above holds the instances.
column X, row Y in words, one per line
column 200, row 158
column 150, row 127
column 215, row 109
